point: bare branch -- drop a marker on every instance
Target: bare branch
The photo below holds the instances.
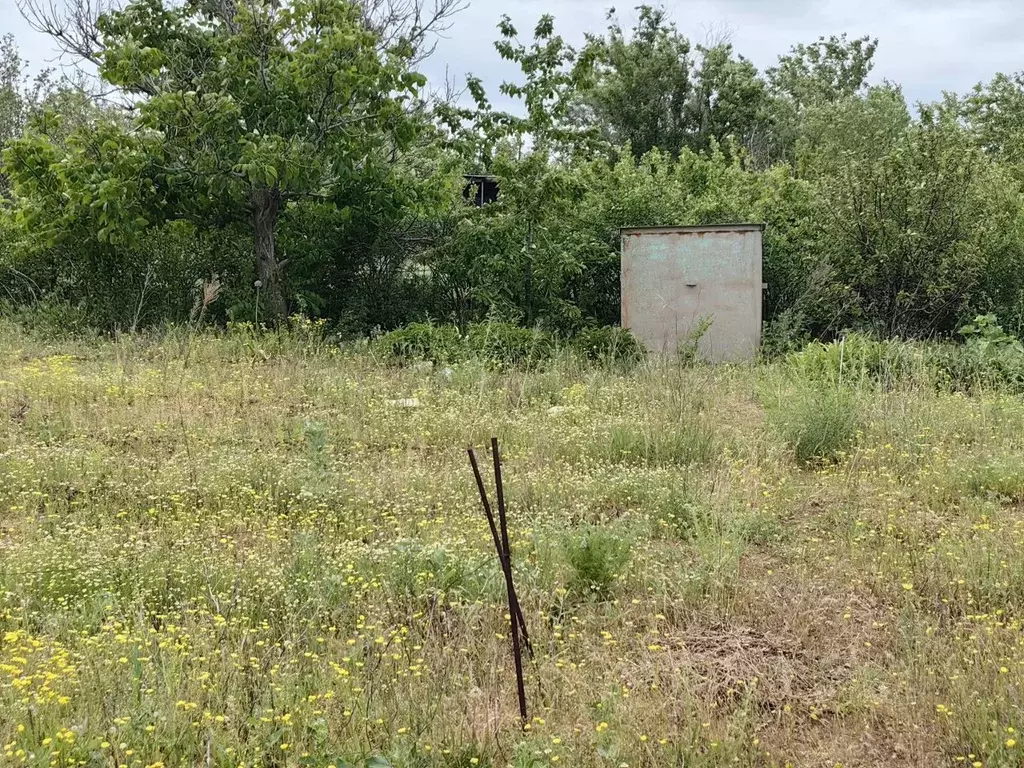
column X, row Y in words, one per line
column 72, row 24
column 417, row 22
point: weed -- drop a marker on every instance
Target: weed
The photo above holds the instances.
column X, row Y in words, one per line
column 686, row 442
column 597, row 558
column 817, row 424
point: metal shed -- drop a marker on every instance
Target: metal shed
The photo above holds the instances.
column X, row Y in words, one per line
column 675, row 277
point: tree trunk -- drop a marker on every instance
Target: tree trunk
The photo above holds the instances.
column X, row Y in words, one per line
column 266, row 203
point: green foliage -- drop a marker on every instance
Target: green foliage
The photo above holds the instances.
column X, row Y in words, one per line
column 325, row 186
column 730, row 102
column 994, row 114
column 122, row 287
column 642, row 90
column 652, row 90
column 985, row 334
column 922, row 236
column 853, row 360
column 827, row 70
column 818, row 423
column 597, row 557
column 502, row 344
column 990, row 358
column 688, row 350
column 213, row 143
column 48, row 319
column 510, row 344
column 863, row 126
column 609, row 343
column 421, row 341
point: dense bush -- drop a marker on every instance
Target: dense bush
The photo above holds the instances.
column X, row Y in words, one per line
column 421, row 341
column 854, row 359
column 988, row 358
column 877, row 221
column 923, row 237
column 117, row 287
column 503, row 344
column 609, row 343
column 510, row 344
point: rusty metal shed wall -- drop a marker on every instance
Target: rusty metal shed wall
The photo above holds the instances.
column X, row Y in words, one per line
column 672, row 277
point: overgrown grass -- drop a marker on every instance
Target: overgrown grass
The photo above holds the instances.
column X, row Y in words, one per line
column 819, row 424
column 274, row 556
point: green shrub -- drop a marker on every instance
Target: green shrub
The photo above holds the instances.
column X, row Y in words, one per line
column 854, row 359
column 151, row 283
column 818, row 424
column 48, row 319
column 597, row 558
column 609, row 343
column 684, row 515
column 688, row 349
column 510, row 344
column 501, row 343
column 421, row 341
column 990, row 358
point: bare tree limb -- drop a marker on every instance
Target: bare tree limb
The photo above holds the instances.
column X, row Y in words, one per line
column 72, row 25
column 417, row 22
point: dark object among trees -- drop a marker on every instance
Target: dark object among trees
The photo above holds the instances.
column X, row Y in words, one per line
column 480, row 190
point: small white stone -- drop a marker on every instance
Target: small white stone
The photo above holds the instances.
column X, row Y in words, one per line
column 405, row 402
column 554, row 410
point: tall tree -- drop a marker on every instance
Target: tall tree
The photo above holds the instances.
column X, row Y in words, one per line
column 858, row 127
column 242, row 108
column 824, row 71
column 813, row 76
column 642, row 88
column 653, row 90
column 995, row 115
column 729, row 99
column 20, row 94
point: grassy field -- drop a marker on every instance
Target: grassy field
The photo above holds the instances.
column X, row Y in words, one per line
column 242, row 552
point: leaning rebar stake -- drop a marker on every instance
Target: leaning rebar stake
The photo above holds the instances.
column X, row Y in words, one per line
column 499, row 548
column 499, row 533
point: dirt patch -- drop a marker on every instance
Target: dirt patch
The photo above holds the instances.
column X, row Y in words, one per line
column 779, row 671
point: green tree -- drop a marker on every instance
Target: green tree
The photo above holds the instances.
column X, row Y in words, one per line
column 994, row 113
column 243, row 109
column 856, row 127
column 826, row 70
column 507, row 258
column 20, row 95
column 923, row 236
column 810, row 77
column 729, row 100
column 651, row 89
column 642, row 85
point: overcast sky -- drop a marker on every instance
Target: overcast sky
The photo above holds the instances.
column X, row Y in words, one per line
column 926, row 45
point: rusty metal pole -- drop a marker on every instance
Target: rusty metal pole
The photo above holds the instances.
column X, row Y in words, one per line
column 506, row 563
column 510, row 586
